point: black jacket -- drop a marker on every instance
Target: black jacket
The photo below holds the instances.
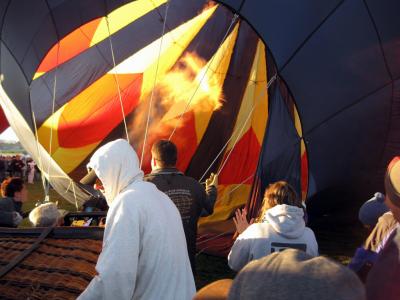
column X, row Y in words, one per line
column 7, row 207
column 190, row 197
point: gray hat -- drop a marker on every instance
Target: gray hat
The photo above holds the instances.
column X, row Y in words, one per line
column 371, row 210
column 293, row 274
column 90, row 178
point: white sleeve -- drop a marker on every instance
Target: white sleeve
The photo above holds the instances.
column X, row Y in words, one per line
column 312, row 244
column 118, row 261
column 240, row 253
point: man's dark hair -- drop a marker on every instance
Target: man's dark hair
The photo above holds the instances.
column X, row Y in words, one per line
column 165, row 153
column 11, row 185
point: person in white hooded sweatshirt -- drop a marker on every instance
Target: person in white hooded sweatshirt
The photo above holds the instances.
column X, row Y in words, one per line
column 144, row 253
column 279, row 225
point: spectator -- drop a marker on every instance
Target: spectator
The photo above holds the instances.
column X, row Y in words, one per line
column 3, row 168
column 10, row 166
column 15, row 194
column 293, row 274
column 31, row 170
column 16, row 166
column 366, row 255
column 190, row 197
column 279, row 225
column 144, row 252
column 383, row 279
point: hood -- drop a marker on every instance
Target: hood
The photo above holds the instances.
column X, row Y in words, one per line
column 117, row 165
column 286, row 220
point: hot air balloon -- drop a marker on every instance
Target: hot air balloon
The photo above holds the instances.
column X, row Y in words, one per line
column 255, row 91
column 3, row 121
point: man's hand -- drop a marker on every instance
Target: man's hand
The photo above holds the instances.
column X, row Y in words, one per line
column 212, row 180
column 240, row 220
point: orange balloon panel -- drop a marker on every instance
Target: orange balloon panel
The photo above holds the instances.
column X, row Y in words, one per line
column 76, row 42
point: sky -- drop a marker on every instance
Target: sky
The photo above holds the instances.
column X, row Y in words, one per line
column 8, row 135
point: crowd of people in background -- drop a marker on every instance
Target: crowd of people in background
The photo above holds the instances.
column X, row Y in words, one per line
column 149, row 242
column 18, row 166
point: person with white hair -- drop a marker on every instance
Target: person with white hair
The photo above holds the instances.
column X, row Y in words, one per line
column 45, row 215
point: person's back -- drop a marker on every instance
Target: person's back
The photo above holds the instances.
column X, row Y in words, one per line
column 283, row 228
column 280, row 225
column 161, row 273
column 144, row 252
column 189, row 196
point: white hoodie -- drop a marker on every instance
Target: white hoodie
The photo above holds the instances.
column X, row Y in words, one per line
column 283, row 227
column 144, row 252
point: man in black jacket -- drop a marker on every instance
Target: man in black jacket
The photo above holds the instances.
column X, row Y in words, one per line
column 190, row 197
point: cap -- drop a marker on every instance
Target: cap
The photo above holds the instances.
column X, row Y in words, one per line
column 371, row 210
column 90, row 178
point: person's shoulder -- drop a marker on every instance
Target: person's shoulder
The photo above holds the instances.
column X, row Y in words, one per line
column 162, row 174
column 387, row 218
column 139, row 190
column 149, row 177
column 128, row 200
column 191, row 180
column 256, row 230
column 137, row 187
column 6, row 203
column 6, row 200
column 309, row 232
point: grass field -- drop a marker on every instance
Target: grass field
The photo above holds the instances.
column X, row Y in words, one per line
column 338, row 236
column 36, row 193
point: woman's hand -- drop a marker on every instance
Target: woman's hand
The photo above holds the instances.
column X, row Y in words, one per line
column 240, row 220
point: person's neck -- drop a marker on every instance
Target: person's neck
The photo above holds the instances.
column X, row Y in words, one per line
column 159, row 168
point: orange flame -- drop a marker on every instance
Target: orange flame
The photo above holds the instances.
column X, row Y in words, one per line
column 190, row 86
column 191, row 83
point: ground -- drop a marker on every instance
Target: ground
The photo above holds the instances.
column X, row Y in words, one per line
column 338, row 235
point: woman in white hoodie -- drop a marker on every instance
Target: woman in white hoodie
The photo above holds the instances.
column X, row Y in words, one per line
column 279, row 225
